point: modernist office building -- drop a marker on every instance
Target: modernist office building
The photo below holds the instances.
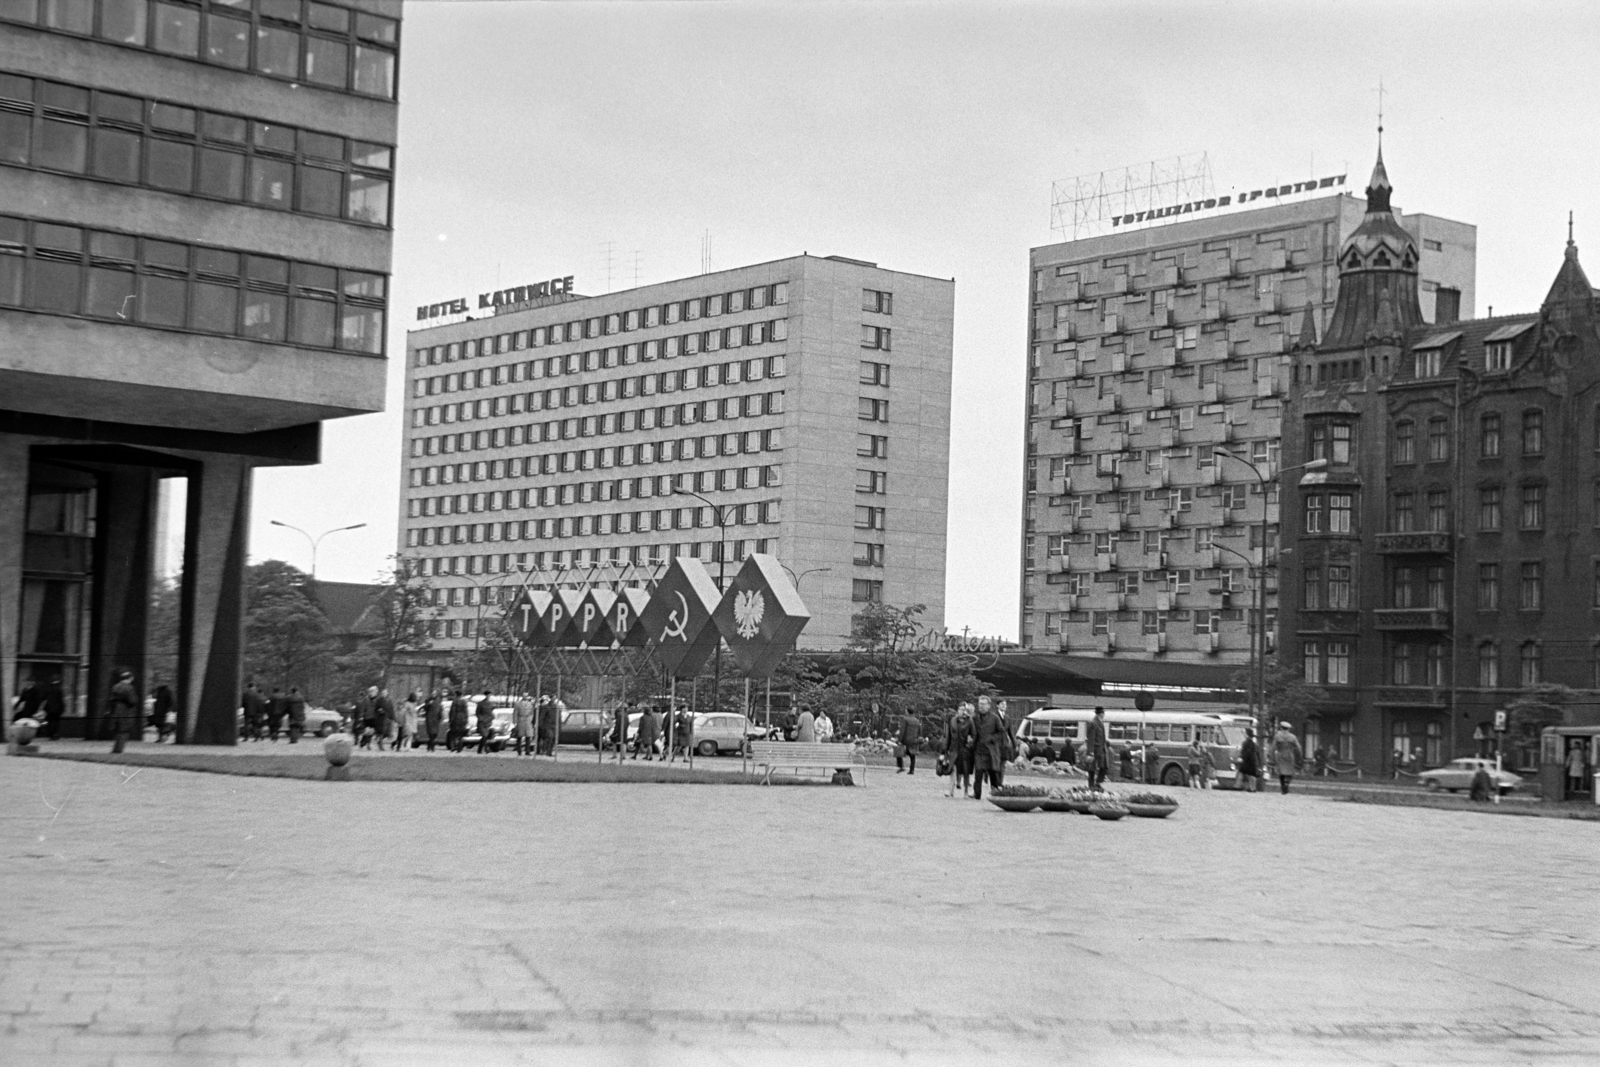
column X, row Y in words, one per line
column 1151, row 352
column 806, row 401
column 194, row 256
column 1446, row 561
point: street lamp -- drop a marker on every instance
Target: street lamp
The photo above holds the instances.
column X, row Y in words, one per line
column 719, row 513
column 1258, row 640
column 813, row 570
column 315, row 541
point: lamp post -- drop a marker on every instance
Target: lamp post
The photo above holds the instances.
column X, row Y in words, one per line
column 719, row 513
column 315, row 541
column 1258, row 640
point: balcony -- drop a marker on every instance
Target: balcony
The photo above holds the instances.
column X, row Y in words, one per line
column 1414, row 619
column 1414, row 543
column 1410, row 696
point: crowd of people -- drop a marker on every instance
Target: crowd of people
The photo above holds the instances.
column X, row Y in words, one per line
column 264, row 716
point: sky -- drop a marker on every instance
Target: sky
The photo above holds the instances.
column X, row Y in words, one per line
column 926, row 137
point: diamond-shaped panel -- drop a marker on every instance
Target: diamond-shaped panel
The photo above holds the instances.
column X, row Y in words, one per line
column 761, row 615
column 589, row 621
column 678, row 617
column 558, row 617
column 623, row 618
column 525, row 617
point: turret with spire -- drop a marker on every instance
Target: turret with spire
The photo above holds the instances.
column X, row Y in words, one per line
column 1377, row 275
column 1571, row 298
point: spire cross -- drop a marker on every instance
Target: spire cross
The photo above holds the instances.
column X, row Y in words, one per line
column 1569, row 227
column 1380, row 110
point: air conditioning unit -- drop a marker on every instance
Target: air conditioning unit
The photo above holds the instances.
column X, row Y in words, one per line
column 1214, row 642
column 1155, row 643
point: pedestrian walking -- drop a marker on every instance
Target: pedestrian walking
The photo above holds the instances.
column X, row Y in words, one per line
column 1319, row 763
column 277, row 707
column 295, row 710
column 123, row 709
column 255, row 710
column 991, row 746
column 525, row 728
column 909, row 739
column 1097, row 750
column 486, row 710
column 649, row 731
column 549, row 716
column 406, row 732
column 385, row 720
column 1125, row 762
column 682, row 733
column 1195, row 755
column 805, row 727
column 458, row 723
column 1286, row 756
column 1249, row 778
column 433, row 718
column 958, row 740
column 1152, row 763
column 1208, row 767
column 362, row 716
column 161, row 710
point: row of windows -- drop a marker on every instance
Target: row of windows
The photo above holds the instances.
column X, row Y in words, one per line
column 709, row 376
column 1326, row 662
column 296, row 40
column 749, row 442
column 520, row 563
column 1162, row 540
column 1177, row 580
column 751, row 405
column 50, row 126
column 549, row 496
column 645, row 318
column 66, row 270
column 1429, row 362
column 1530, row 660
column 764, row 512
column 1490, row 442
column 724, row 444
column 1530, row 586
column 732, row 337
column 1205, row 620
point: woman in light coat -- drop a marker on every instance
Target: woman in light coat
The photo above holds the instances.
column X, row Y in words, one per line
column 1286, row 756
column 408, row 721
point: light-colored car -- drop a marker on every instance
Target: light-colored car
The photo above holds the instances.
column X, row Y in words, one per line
column 320, row 722
column 720, row 732
column 1457, row 774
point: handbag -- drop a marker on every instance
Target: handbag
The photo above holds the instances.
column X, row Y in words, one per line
column 941, row 766
column 900, row 752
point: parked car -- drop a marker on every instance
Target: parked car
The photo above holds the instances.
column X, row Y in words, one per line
column 321, row 722
column 719, row 732
column 583, row 726
column 1458, row 773
column 499, row 733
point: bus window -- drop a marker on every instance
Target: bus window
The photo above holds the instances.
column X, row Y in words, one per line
column 1060, row 729
column 1180, row 734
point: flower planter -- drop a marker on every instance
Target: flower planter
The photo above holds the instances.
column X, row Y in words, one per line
column 1151, row 811
column 1057, row 804
column 1016, row 803
column 1108, row 812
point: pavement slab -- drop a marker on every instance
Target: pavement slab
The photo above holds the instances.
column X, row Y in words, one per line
column 166, row 917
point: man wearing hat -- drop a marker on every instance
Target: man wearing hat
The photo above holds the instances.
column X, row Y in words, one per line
column 1286, row 755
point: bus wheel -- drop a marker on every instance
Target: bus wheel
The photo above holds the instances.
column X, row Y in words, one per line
column 1172, row 776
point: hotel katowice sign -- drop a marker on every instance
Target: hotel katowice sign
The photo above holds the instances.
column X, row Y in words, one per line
column 520, row 294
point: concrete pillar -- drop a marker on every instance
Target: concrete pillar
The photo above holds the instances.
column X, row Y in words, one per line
column 125, row 514
column 211, row 628
column 13, row 526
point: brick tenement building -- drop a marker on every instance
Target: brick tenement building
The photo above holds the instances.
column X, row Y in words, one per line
column 1447, row 557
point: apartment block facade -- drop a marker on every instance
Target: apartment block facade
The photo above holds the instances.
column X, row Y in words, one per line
column 1158, row 364
column 798, row 407
column 195, row 250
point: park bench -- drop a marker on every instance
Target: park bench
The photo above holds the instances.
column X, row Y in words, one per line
column 804, row 754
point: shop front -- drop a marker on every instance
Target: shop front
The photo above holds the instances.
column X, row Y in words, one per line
column 1568, row 758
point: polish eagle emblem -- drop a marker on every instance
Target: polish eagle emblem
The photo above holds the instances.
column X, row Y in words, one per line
column 748, row 608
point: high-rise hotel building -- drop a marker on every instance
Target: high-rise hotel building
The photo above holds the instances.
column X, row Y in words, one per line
column 1155, row 357
column 798, row 407
column 194, row 258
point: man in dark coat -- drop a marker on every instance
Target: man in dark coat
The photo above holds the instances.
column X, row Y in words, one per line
column 909, row 738
column 433, row 718
column 294, row 707
column 124, row 709
column 160, row 709
column 545, row 726
column 1097, row 750
column 277, row 707
column 255, row 711
column 649, row 730
column 361, row 717
column 486, row 710
column 383, row 716
column 1249, row 763
column 991, row 747
column 458, row 723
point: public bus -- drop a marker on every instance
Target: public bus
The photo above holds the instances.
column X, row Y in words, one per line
column 1171, row 730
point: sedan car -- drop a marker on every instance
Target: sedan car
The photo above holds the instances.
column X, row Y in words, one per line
column 583, row 726
column 1457, row 774
column 721, row 732
column 320, row 722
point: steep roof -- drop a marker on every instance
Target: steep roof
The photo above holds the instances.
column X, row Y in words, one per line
column 344, row 603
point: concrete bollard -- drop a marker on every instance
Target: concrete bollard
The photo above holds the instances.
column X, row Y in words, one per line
column 338, row 748
column 23, row 732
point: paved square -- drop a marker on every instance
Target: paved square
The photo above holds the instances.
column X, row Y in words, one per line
column 159, row 917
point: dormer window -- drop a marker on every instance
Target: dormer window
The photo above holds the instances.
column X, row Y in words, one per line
column 1427, row 362
column 1497, row 356
column 1381, row 259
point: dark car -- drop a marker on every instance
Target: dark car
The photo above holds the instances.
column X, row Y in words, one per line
column 584, row 726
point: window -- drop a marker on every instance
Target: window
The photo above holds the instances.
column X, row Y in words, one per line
column 1438, row 439
column 1343, row 437
column 1489, row 508
column 870, row 409
column 1438, row 510
column 1488, row 587
column 868, row 554
column 1532, row 587
column 1402, row 592
column 1435, row 588
column 1319, row 440
column 880, row 302
column 1488, row 665
column 1341, row 512
column 874, row 373
column 869, row 518
column 1533, row 507
column 866, row 591
column 1532, row 664
column 1338, row 670
column 1533, row 433
column 1404, row 512
column 1497, row 356
column 1313, row 513
column 1339, row 589
column 1400, row 665
column 1311, row 662
column 872, row 446
column 874, row 482
column 1489, row 436
column 1427, row 362
column 1312, row 599
column 875, row 337
column 1405, row 442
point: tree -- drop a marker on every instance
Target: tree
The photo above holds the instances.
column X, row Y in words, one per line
column 161, row 633
column 1285, row 691
column 402, row 613
column 287, row 638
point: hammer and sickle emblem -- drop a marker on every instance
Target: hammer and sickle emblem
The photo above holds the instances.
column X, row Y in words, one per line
column 676, row 623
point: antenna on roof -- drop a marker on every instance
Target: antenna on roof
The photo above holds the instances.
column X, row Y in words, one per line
column 705, row 253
